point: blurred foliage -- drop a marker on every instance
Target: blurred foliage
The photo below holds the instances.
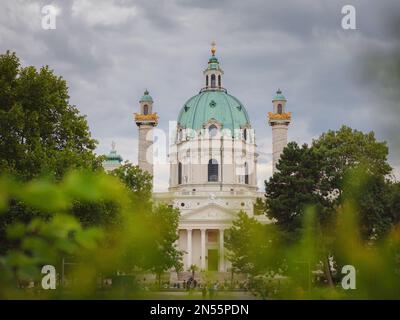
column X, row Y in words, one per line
column 143, row 241
column 295, row 270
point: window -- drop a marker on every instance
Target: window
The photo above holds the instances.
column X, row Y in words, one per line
column 212, row 170
column 207, row 81
column 145, row 109
column 246, row 173
column 180, row 173
column 212, row 131
column 213, row 81
column 279, row 108
column 245, row 134
column 219, row 80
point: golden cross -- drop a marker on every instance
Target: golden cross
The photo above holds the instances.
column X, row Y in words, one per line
column 213, row 49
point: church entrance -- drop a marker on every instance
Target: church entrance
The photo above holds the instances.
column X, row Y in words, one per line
column 212, row 260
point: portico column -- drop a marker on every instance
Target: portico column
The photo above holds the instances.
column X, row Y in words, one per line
column 203, row 249
column 221, row 251
column 189, row 248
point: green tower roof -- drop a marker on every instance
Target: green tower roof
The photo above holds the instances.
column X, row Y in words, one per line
column 218, row 105
column 279, row 96
column 113, row 158
column 146, row 97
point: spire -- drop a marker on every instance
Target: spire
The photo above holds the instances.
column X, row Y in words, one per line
column 213, row 48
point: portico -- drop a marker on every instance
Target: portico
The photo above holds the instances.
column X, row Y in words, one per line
column 203, row 247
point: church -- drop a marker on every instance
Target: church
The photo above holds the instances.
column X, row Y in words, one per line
column 213, row 164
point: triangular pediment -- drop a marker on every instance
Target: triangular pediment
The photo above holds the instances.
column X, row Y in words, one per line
column 211, row 211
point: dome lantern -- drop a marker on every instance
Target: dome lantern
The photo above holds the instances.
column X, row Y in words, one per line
column 213, row 73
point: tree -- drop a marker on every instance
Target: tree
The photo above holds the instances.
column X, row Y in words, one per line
column 105, row 213
column 298, row 183
column 165, row 254
column 347, row 149
column 159, row 253
column 136, row 180
column 316, row 176
column 340, row 166
column 40, row 131
column 252, row 246
column 259, row 207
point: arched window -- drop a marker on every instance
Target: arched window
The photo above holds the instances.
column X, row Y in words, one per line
column 213, row 81
column 212, row 131
column 245, row 134
column 145, row 109
column 219, row 80
column 279, row 108
column 207, row 81
column 212, row 170
column 246, row 173
column 180, row 173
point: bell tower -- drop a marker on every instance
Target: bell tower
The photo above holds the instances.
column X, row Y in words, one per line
column 146, row 120
column 279, row 120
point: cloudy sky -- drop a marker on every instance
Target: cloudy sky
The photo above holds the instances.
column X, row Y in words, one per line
column 111, row 51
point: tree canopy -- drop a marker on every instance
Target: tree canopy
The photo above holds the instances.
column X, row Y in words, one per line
column 40, row 131
column 338, row 165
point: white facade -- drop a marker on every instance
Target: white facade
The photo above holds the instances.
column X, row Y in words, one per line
column 208, row 207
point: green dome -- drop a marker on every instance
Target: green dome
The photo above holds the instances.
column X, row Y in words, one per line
column 113, row 158
column 146, row 97
column 217, row 105
column 279, row 96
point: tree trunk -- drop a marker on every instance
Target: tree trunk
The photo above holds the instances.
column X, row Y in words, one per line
column 328, row 273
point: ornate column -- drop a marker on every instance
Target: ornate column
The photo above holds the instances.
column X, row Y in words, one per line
column 221, row 251
column 279, row 120
column 203, row 249
column 189, row 248
column 146, row 120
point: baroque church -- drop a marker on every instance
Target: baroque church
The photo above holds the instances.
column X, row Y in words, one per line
column 213, row 164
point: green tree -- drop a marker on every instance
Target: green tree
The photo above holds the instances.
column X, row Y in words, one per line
column 316, row 176
column 40, row 131
column 297, row 184
column 105, row 213
column 252, row 246
column 346, row 149
column 339, row 166
column 165, row 254
column 135, row 179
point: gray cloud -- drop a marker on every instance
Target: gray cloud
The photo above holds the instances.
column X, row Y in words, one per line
column 110, row 51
